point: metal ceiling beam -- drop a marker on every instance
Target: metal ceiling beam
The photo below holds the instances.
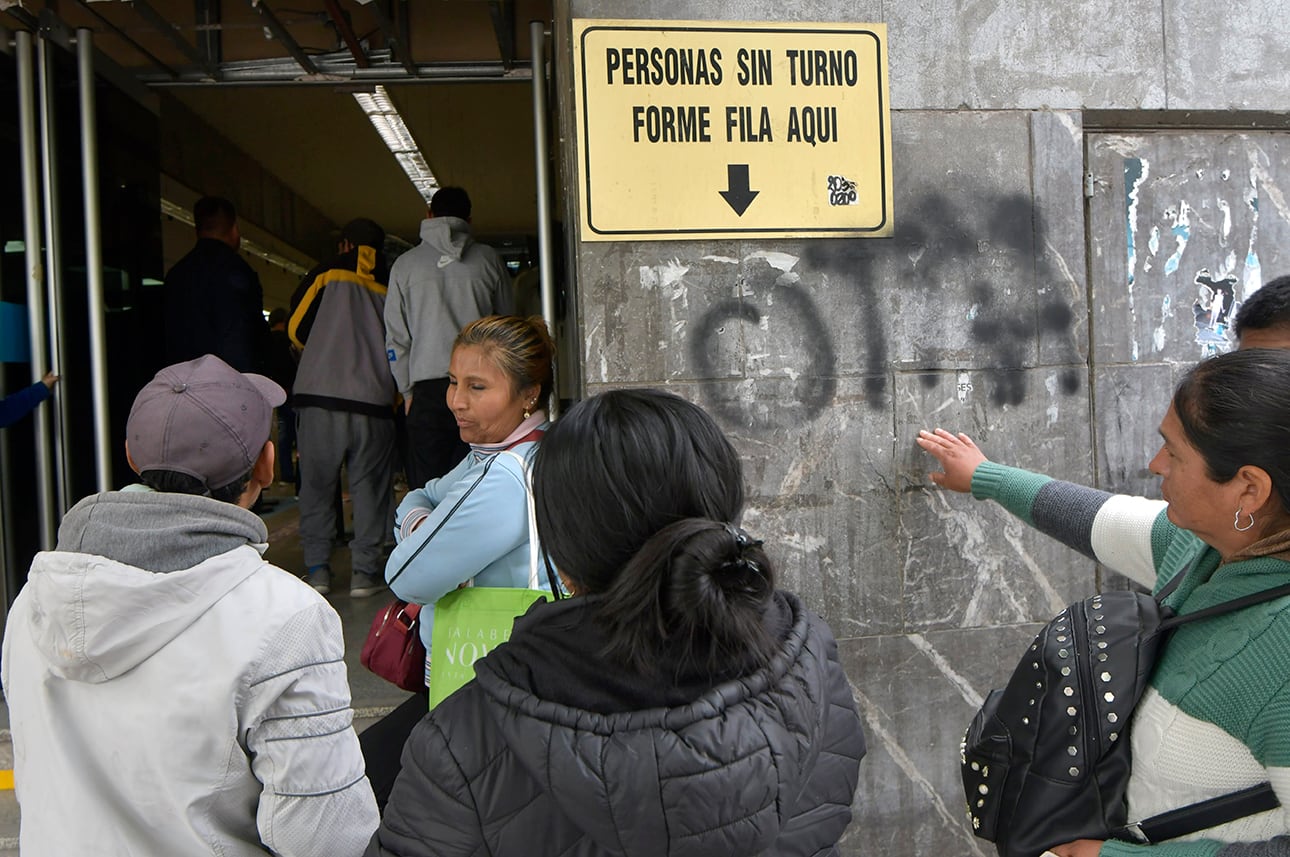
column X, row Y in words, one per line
column 282, row 35
column 121, row 34
column 393, row 40
column 333, row 74
column 503, row 12
column 168, row 30
column 22, row 16
column 347, row 34
column 210, row 36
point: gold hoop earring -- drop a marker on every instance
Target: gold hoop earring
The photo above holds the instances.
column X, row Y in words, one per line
column 1236, row 524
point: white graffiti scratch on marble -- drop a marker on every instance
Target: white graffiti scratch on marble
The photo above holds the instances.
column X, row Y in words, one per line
column 595, row 350
column 1181, row 231
column 942, row 406
column 729, row 260
column 1261, row 178
column 1050, row 384
column 967, row 533
column 803, row 544
column 1067, row 120
column 804, row 466
column 1067, row 274
column 784, row 262
column 874, row 726
column 965, row 689
column 1166, row 312
column 780, row 261
column 1136, row 171
column 666, row 274
column 1012, row 530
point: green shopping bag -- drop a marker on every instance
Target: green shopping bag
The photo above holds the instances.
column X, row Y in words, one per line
column 468, row 624
column 472, row 621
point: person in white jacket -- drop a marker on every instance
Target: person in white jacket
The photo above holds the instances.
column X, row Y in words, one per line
column 169, row 691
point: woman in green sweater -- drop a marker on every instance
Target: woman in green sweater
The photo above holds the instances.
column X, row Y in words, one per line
column 1217, row 715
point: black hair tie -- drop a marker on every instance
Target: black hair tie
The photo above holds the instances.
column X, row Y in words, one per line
column 743, row 542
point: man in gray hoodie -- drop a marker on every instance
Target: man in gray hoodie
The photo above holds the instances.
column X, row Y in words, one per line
column 436, row 289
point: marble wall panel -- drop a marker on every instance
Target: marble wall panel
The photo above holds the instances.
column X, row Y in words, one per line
column 969, row 563
column 1131, row 401
column 916, row 694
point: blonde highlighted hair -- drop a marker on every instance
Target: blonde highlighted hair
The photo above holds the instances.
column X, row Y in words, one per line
column 521, row 347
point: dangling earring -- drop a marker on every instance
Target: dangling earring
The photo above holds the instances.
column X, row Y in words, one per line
column 1236, row 524
column 528, row 412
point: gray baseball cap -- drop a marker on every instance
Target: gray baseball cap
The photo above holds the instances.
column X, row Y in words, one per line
column 202, row 418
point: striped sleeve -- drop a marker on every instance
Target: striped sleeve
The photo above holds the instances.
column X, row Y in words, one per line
column 1118, row 531
column 1129, row 534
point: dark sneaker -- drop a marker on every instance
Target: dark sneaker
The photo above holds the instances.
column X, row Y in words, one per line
column 319, row 577
column 363, row 585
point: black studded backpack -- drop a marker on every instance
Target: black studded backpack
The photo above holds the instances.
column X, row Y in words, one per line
column 1046, row 759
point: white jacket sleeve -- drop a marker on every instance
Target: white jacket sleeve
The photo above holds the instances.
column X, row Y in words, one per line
column 299, row 736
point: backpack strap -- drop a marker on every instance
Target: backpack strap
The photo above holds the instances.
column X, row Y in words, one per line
column 1225, row 607
column 1202, row 815
column 1224, row 808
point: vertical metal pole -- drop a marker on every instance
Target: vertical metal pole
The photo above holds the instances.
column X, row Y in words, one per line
column 537, row 51
column 35, row 281
column 94, row 257
column 53, row 265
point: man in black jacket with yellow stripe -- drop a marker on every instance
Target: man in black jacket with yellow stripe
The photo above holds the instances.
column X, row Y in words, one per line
column 344, row 400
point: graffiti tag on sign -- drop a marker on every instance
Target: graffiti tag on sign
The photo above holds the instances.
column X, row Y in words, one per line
column 842, row 191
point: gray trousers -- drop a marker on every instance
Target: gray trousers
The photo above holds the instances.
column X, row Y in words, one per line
column 365, row 445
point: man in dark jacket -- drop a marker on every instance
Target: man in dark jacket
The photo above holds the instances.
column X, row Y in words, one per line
column 344, row 402
column 213, row 300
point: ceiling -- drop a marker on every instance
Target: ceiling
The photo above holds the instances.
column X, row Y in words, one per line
column 275, row 79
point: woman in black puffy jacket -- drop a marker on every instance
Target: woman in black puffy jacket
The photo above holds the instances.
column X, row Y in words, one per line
column 676, row 703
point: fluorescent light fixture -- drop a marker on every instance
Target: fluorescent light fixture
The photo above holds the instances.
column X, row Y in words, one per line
column 14, row 246
column 380, row 111
column 183, row 215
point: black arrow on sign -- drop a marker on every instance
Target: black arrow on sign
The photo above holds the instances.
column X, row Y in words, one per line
column 739, row 197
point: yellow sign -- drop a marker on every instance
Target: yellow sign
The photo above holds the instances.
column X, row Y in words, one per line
column 720, row 129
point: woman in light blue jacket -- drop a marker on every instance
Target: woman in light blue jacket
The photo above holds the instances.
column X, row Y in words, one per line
column 471, row 524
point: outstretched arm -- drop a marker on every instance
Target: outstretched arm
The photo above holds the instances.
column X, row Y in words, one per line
column 1122, row 532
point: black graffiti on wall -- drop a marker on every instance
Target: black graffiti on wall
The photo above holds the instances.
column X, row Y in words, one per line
column 800, row 322
column 984, row 246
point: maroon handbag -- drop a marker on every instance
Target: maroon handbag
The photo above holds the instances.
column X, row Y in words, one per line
column 393, row 648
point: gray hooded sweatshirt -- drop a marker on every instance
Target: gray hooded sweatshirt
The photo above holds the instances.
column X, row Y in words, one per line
column 437, row 288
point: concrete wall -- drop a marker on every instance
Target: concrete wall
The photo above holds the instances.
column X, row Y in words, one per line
column 1048, row 325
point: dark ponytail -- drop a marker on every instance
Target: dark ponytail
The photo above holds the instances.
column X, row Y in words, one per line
column 637, row 493
column 697, row 589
